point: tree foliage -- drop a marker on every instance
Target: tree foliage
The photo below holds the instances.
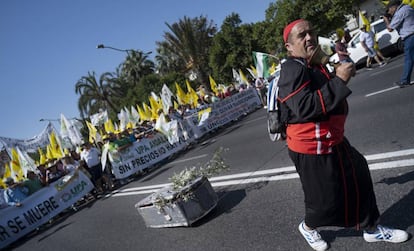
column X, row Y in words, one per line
column 186, row 47
column 136, row 66
column 325, row 15
column 231, row 48
column 96, row 94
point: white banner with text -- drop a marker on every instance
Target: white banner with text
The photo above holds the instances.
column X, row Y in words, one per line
column 41, row 206
column 142, row 154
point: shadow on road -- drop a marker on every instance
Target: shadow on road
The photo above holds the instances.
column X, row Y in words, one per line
column 330, row 235
column 227, row 201
column 399, row 215
column 401, row 179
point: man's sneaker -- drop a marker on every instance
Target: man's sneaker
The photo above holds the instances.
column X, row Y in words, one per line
column 386, row 234
column 382, row 64
column 401, row 84
column 313, row 238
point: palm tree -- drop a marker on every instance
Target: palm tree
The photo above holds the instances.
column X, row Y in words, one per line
column 189, row 41
column 95, row 95
column 168, row 61
column 137, row 65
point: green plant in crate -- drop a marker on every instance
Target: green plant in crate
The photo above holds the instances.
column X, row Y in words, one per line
column 214, row 166
column 179, row 180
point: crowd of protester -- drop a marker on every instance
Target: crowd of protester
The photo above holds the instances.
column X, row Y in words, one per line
column 88, row 156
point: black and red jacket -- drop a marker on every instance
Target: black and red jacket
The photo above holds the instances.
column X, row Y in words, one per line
column 315, row 104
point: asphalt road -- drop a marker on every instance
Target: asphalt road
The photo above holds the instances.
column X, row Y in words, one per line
column 260, row 211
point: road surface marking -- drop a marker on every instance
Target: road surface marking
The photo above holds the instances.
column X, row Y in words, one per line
column 275, row 174
column 379, row 92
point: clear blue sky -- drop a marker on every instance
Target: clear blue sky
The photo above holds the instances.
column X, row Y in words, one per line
column 46, row 46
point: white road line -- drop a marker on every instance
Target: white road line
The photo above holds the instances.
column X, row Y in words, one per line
column 274, row 174
column 255, row 173
column 225, row 177
column 284, row 176
column 390, row 154
column 131, row 193
column 382, row 91
column 392, row 164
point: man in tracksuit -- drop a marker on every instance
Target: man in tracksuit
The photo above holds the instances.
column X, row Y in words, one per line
column 335, row 177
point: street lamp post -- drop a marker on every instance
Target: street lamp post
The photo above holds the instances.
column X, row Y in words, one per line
column 102, row 46
column 57, row 120
column 50, row 120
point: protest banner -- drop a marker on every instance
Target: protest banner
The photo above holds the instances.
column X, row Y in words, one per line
column 225, row 111
column 40, row 207
column 29, row 145
column 142, row 154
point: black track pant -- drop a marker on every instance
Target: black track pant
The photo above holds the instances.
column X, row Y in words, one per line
column 337, row 187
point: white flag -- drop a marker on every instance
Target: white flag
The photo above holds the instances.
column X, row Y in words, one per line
column 123, row 117
column 99, row 118
column 260, row 60
column 166, row 95
column 169, row 129
column 71, row 128
column 134, row 116
column 26, row 163
column 236, row 76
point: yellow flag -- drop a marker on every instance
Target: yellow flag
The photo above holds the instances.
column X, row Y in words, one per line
column 55, row 146
column 154, row 105
column 142, row 115
column 407, row 2
column 147, row 110
column 42, row 157
column 191, row 94
column 213, row 85
column 7, row 171
column 101, row 132
column 49, row 154
column 243, row 77
column 16, row 168
column 253, row 70
column 365, row 21
column 109, row 126
column 272, row 68
column 181, row 96
column 176, row 105
column 92, row 131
